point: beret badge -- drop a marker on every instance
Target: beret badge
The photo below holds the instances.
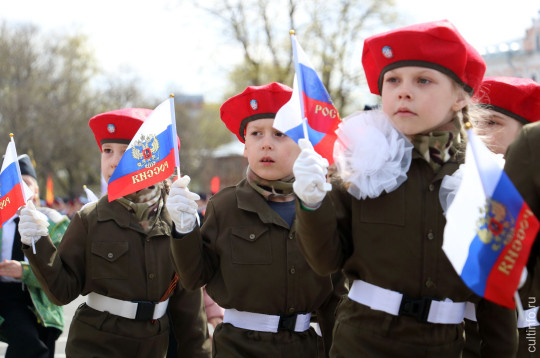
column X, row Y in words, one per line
column 387, row 52
column 254, row 105
column 111, row 128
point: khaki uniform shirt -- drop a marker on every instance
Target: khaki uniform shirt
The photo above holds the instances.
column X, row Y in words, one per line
column 104, row 250
column 395, row 241
column 249, row 259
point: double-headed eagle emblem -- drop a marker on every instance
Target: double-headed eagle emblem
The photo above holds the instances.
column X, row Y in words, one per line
column 496, row 225
column 145, row 150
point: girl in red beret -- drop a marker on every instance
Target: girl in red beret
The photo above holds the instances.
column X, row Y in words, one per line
column 117, row 254
column 510, row 103
column 246, row 250
column 382, row 223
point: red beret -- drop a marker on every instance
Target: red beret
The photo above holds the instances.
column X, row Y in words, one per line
column 437, row 45
column 118, row 126
column 256, row 102
column 518, row 98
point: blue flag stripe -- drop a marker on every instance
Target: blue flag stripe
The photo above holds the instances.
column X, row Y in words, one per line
column 8, row 179
column 312, row 85
column 128, row 164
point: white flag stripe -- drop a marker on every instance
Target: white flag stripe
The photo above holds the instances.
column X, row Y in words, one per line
column 163, row 115
column 289, row 115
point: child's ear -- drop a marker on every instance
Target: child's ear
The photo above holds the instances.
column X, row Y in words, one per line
column 245, row 151
column 460, row 103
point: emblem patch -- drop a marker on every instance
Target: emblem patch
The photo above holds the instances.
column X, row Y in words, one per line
column 254, row 104
column 387, row 52
column 145, row 151
column 496, row 225
column 111, row 128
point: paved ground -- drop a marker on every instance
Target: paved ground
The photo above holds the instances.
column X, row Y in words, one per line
column 69, row 310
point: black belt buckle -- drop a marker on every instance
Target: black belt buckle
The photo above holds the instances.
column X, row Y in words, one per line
column 287, row 322
column 415, row 307
column 145, row 310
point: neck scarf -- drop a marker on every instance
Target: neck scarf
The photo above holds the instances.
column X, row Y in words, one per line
column 146, row 204
column 270, row 188
column 438, row 147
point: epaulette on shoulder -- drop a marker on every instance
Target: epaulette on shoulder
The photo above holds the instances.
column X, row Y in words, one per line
column 52, row 214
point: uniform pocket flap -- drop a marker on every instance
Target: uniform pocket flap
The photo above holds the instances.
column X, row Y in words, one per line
column 110, row 251
column 249, row 233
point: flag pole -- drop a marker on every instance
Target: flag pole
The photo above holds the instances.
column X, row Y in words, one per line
column 300, row 83
column 175, row 145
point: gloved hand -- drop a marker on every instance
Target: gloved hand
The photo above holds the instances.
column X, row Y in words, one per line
column 523, row 277
column 310, row 175
column 32, row 224
column 182, row 206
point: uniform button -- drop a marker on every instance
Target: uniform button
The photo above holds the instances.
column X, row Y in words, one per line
column 251, row 236
column 110, row 255
column 292, row 270
column 151, row 276
column 429, row 283
column 147, row 239
column 431, row 187
column 291, row 309
column 291, row 236
column 430, row 235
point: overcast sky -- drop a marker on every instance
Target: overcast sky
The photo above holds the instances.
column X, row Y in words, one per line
column 170, row 49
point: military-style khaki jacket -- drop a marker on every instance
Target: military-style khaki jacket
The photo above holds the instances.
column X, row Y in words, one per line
column 395, row 241
column 523, row 168
column 249, row 259
column 104, row 250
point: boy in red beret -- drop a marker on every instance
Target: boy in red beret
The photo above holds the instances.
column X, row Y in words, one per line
column 117, row 254
column 382, row 223
column 246, row 251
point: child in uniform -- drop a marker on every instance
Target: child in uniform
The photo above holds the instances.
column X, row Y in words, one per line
column 519, row 99
column 383, row 223
column 118, row 255
column 246, row 251
column 511, row 102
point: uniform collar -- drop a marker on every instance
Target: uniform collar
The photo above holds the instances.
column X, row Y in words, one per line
column 248, row 199
column 123, row 218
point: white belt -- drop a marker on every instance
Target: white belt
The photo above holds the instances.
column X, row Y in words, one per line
column 529, row 318
column 470, row 311
column 144, row 310
column 265, row 322
column 395, row 303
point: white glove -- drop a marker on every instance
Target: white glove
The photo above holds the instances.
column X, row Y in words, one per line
column 182, row 206
column 32, row 224
column 310, row 175
column 523, row 277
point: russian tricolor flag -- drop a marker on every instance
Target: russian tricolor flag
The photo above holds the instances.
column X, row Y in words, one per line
column 150, row 157
column 310, row 108
column 490, row 229
column 11, row 184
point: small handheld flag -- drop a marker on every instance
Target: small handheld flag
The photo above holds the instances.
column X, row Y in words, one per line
column 150, row 157
column 310, row 112
column 90, row 194
column 11, row 184
column 490, row 229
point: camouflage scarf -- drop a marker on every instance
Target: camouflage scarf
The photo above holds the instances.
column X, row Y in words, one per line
column 270, row 188
column 438, row 147
column 146, row 204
